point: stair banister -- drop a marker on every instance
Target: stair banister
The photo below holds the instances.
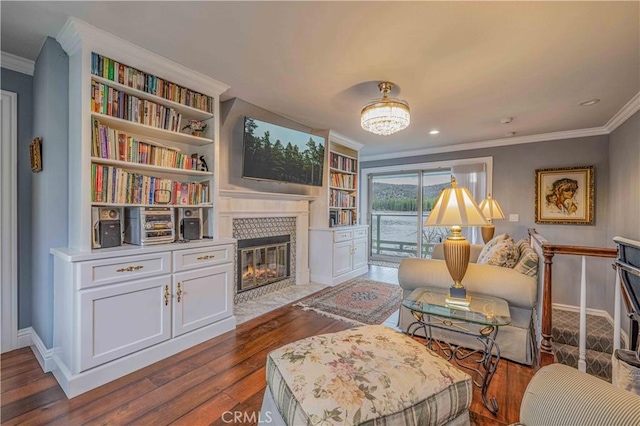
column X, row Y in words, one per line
column 582, row 363
column 548, row 252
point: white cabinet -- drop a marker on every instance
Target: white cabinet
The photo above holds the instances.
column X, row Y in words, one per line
column 337, row 255
column 120, row 319
column 116, row 313
column 201, row 297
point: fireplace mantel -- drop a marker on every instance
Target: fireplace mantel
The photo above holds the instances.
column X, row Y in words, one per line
column 234, row 204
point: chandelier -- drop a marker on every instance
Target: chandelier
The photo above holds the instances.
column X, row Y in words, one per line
column 385, row 116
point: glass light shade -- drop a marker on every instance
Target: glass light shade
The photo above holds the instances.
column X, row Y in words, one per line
column 385, row 116
column 455, row 207
column 491, row 209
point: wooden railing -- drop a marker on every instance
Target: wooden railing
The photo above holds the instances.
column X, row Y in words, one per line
column 548, row 252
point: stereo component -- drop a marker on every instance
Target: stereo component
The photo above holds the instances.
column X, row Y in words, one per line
column 107, row 230
column 149, row 225
column 190, row 223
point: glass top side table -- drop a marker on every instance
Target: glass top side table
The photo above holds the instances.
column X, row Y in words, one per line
column 487, row 313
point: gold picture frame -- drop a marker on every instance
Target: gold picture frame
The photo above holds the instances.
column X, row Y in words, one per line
column 565, row 196
column 35, row 153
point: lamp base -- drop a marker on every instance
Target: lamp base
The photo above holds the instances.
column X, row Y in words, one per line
column 487, row 233
column 458, row 301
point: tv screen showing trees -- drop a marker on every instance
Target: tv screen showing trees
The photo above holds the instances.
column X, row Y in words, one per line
column 277, row 153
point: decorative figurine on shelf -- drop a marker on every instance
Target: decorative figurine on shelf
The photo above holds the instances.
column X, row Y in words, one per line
column 196, row 127
column 200, row 163
column 203, row 164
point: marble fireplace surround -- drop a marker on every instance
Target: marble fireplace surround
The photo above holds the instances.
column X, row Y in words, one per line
column 233, row 204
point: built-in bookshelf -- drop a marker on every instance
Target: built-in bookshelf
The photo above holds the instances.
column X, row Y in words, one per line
column 339, row 204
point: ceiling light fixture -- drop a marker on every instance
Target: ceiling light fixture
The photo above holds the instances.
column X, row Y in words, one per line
column 385, row 116
column 434, row 132
column 590, row 102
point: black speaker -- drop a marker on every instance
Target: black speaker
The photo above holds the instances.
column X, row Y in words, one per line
column 109, row 234
column 190, row 228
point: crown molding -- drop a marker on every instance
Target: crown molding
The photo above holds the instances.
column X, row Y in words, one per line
column 345, row 141
column 569, row 134
column 621, row 116
column 17, row 63
column 77, row 36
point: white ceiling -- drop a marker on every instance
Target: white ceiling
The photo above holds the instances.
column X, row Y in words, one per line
column 461, row 66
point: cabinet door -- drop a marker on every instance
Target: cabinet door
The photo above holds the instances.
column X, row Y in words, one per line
column 120, row 319
column 202, row 297
column 359, row 253
column 342, row 258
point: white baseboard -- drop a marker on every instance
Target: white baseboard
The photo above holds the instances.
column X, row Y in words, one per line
column 29, row 337
column 594, row 312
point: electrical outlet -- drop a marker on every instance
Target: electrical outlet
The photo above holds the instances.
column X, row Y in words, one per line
column 514, row 217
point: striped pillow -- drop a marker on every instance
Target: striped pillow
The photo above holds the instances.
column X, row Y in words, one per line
column 527, row 263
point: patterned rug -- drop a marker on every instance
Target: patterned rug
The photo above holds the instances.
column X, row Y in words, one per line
column 357, row 301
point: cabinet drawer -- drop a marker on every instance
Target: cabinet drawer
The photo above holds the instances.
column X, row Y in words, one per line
column 339, row 236
column 185, row 260
column 360, row 233
column 119, row 269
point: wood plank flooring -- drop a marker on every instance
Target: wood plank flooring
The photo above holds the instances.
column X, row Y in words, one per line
column 196, row 386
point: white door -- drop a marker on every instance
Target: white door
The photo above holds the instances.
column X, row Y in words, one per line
column 9, row 222
column 360, row 253
column 201, row 297
column 342, row 258
column 120, row 319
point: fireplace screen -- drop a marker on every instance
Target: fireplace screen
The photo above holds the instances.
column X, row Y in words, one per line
column 262, row 261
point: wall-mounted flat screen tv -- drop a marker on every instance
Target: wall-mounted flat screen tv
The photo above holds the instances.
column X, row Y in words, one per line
column 277, row 153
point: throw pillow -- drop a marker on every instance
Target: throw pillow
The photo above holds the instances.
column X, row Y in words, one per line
column 487, row 247
column 523, row 244
column 527, row 264
column 504, row 254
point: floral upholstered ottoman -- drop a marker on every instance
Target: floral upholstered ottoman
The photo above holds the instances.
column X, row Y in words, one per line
column 369, row 375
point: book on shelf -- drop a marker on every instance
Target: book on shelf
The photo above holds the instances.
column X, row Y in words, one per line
column 113, row 144
column 347, row 164
column 341, row 218
column 341, row 199
column 115, row 185
column 343, row 181
column 109, row 101
column 123, row 74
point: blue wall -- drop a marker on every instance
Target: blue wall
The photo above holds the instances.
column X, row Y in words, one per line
column 22, row 84
column 50, row 194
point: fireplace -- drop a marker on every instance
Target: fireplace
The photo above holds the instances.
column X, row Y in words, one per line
column 263, row 261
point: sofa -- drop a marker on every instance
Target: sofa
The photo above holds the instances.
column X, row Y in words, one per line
column 516, row 341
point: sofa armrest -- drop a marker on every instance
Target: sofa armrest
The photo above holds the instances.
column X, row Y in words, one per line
column 561, row 395
column 438, row 252
column 518, row 289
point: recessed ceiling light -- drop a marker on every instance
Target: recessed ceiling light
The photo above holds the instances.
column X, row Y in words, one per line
column 434, row 132
column 590, row 102
column 508, row 135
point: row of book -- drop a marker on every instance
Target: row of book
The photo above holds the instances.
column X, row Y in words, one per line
column 337, row 161
column 109, row 101
column 343, row 181
column 132, row 77
column 113, row 144
column 115, row 185
column 342, row 218
column 341, row 199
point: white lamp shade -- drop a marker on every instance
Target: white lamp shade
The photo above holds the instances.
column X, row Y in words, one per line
column 455, row 207
column 491, row 209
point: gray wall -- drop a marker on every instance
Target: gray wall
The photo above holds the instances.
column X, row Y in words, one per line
column 233, row 112
column 624, row 181
column 50, row 186
column 514, row 186
column 22, row 84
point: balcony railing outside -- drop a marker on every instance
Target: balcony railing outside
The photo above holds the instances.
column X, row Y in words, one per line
column 387, row 243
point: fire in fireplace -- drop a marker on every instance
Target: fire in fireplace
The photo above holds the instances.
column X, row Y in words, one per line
column 263, row 261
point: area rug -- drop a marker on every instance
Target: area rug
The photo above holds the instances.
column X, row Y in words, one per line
column 358, row 301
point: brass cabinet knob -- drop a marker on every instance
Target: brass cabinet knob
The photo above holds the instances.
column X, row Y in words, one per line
column 167, row 295
column 179, row 292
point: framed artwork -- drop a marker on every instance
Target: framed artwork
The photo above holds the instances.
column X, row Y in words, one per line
column 35, row 153
column 565, row 196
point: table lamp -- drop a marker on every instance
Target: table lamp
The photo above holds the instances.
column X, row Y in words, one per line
column 455, row 207
column 491, row 210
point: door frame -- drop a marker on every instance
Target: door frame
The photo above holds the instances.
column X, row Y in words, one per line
column 9, row 222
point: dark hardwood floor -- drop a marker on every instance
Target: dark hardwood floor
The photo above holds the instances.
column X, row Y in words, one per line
column 198, row 385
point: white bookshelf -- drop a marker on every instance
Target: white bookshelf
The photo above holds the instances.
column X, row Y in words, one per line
column 149, row 168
